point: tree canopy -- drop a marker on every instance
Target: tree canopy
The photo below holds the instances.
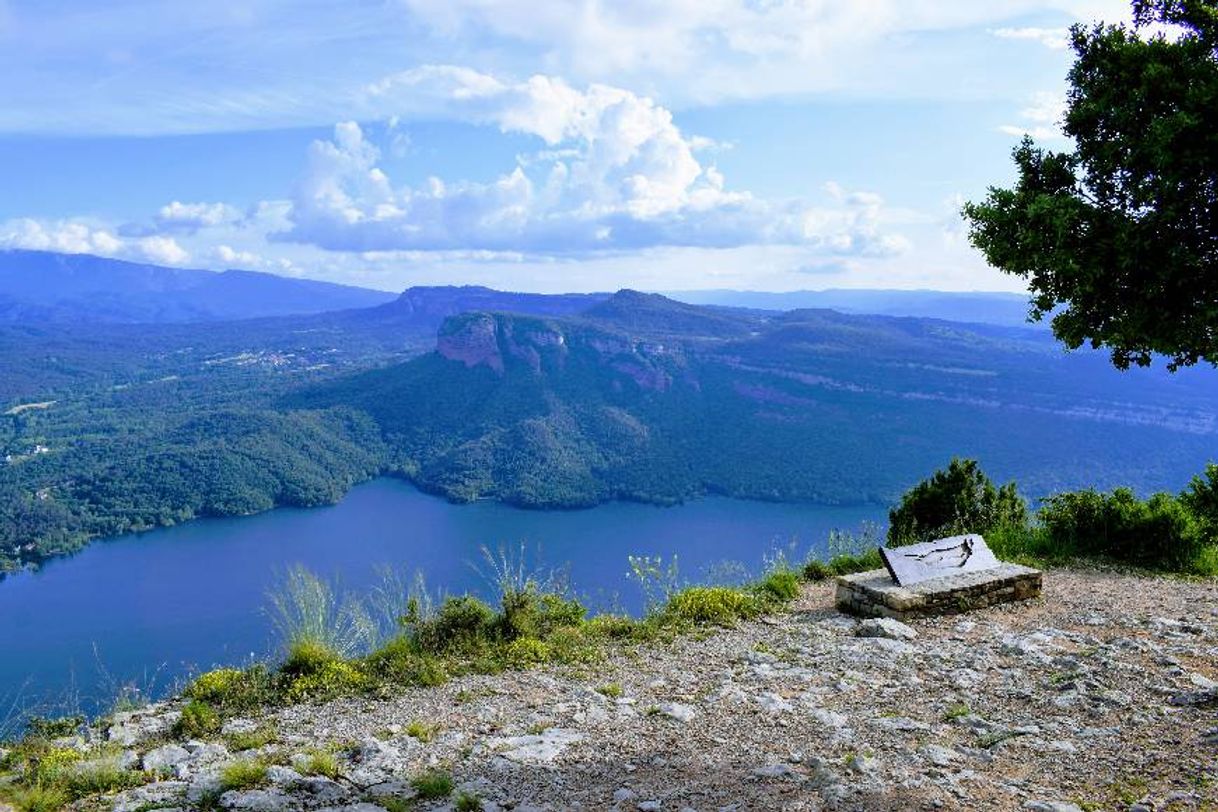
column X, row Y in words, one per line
column 1118, row 239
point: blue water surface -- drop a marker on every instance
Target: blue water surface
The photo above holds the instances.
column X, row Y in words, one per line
column 147, row 609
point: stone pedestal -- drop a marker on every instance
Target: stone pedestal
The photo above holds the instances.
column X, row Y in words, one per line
column 873, row 594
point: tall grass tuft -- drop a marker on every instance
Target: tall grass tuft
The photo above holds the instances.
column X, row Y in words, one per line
column 308, row 613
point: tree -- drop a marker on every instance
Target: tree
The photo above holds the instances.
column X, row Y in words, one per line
column 959, row 499
column 1118, row 240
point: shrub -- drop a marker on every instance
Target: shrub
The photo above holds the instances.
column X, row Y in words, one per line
column 960, row 499
column 46, row 728
column 780, row 585
column 198, row 720
column 1201, row 499
column 718, row 605
column 468, row 802
column 331, row 679
column 1158, row 532
column 231, row 689
column 307, row 657
column 610, row 627
column 39, row 798
column 433, row 785
column 816, row 570
column 526, row 651
column 243, row 774
column 400, row 661
column 461, row 625
column 847, row 563
column 612, row 690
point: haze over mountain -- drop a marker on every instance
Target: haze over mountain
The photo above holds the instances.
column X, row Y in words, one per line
column 1009, row 309
column 40, row 286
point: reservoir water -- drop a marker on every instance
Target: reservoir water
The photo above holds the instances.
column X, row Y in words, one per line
column 144, row 610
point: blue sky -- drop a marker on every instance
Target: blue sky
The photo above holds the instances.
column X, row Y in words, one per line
column 548, row 146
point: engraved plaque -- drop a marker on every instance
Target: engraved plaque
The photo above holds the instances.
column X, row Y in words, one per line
column 934, row 559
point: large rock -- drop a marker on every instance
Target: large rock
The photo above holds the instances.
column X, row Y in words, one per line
column 676, row 710
column 165, row 759
column 541, row 748
column 886, row 627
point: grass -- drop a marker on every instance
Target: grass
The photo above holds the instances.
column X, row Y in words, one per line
column 321, row 762
column 613, row 690
column 422, row 731
column 199, row 720
column 433, row 785
column 252, row 740
column 243, row 774
column 467, row 802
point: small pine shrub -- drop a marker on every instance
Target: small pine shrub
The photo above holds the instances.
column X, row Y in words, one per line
column 433, row 785
column 958, row 499
column 198, row 720
column 717, row 605
column 468, row 802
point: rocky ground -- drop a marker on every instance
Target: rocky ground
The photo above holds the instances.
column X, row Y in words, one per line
column 1101, row 695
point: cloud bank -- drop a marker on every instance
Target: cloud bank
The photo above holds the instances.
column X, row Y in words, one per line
column 616, row 174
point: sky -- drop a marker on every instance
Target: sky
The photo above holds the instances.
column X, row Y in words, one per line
column 546, row 145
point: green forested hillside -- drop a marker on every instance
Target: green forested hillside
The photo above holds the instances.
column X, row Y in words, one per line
column 105, row 429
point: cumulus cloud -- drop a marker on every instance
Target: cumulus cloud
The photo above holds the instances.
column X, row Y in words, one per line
column 1056, row 39
column 192, row 216
column 616, row 173
column 76, row 237
column 1042, row 118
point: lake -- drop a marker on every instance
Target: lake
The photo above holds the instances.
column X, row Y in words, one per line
column 146, row 609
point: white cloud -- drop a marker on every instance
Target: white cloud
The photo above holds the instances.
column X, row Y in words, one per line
column 1042, row 118
column 190, row 216
column 616, row 174
column 1055, row 39
column 77, row 237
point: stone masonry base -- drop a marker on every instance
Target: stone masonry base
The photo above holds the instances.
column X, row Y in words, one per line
column 873, row 594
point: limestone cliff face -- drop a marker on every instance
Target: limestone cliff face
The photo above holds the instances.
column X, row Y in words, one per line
column 504, row 342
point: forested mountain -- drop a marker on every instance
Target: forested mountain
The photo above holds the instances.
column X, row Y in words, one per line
column 42, row 287
column 645, row 398
column 111, row 427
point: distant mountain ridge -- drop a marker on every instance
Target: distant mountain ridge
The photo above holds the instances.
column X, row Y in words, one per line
column 641, row 397
column 40, row 286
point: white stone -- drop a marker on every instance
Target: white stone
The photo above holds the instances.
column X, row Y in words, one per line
column 886, row 627
column 677, row 710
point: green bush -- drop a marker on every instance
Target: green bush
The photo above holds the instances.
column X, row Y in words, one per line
column 529, row 613
column 331, row 679
column 307, row 657
column 526, row 651
column 47, row 728
column 816, row 570
column 231, row 689
column 197, row 721
column 461, row 625
column 960, row 499
column 1159, row 532
column 717, row 605
column 400, row 661
column 779, row 585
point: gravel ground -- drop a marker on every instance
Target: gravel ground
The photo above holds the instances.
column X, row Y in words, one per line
column 1101, row 695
